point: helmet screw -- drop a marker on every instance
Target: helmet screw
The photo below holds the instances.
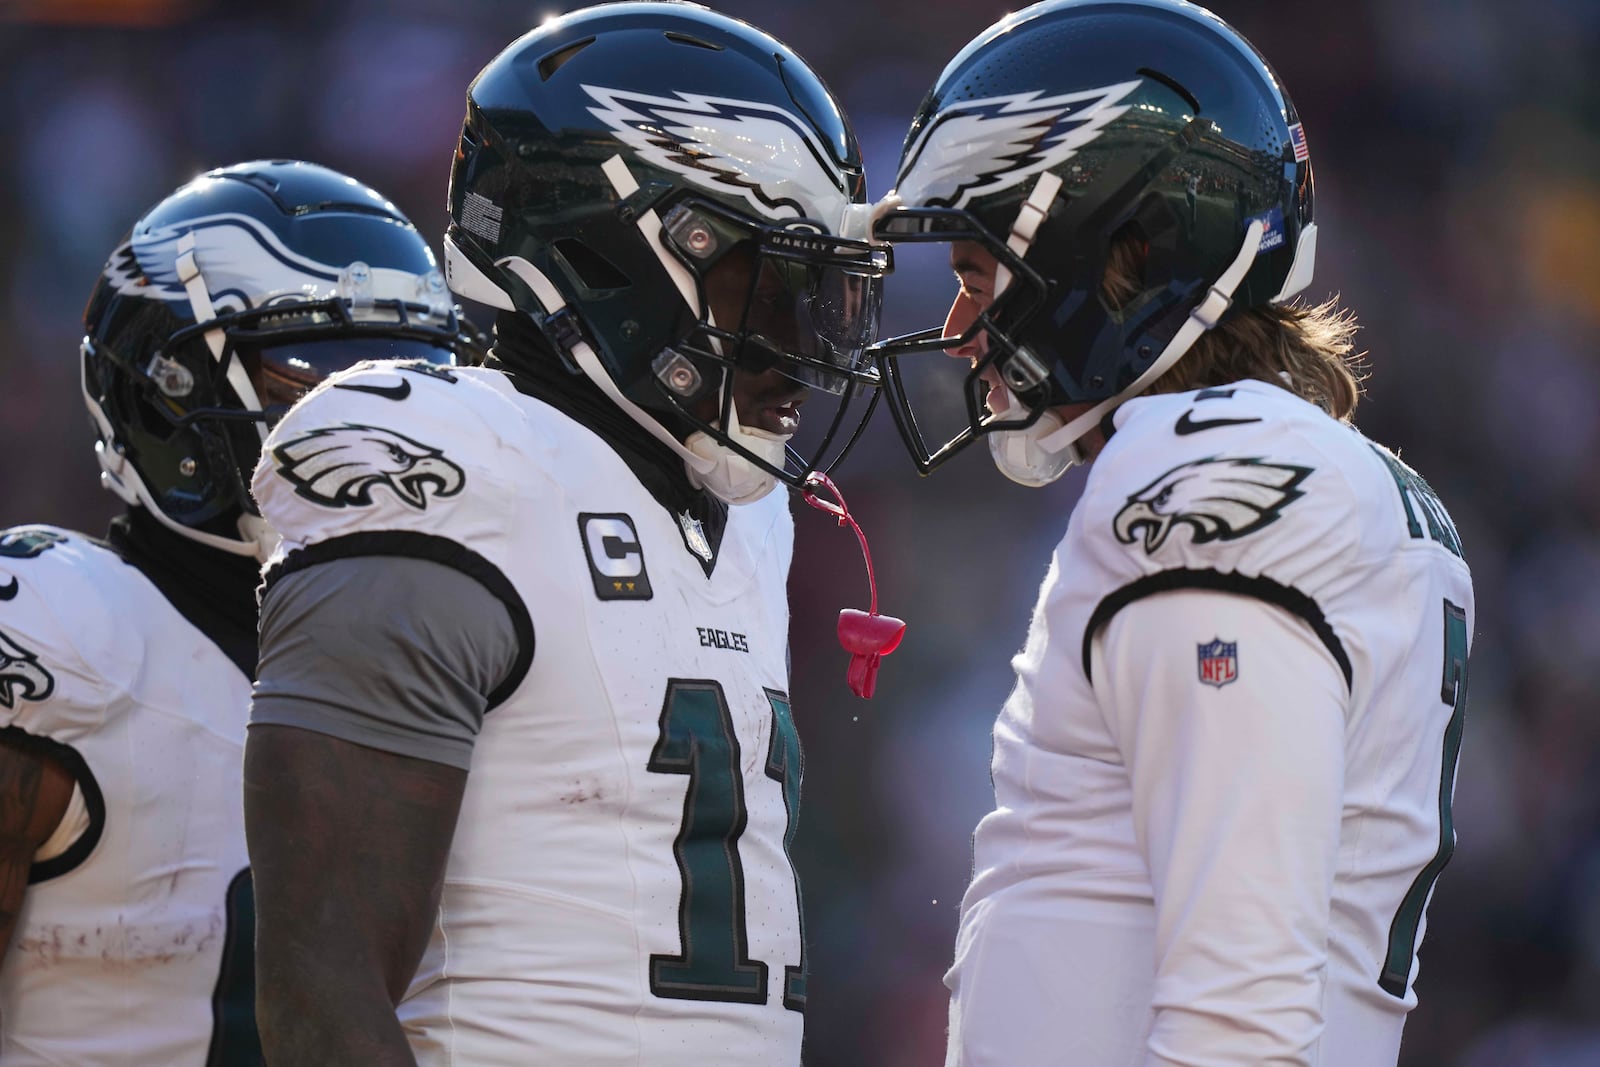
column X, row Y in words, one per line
column 187, row 466
column 630, row 329
column 1144, row 351
column 676, row 372
column 1096, row 382
column 699, row 240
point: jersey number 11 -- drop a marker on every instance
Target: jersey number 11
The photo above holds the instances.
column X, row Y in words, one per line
column 698, row 739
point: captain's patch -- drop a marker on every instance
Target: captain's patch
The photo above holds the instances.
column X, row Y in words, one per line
column 616, row 558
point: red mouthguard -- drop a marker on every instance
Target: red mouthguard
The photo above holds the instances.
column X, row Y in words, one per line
column 866, row 635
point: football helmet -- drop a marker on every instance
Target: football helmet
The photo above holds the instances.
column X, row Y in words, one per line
column 226, row 302
column 1063, row 128
column 611, row 162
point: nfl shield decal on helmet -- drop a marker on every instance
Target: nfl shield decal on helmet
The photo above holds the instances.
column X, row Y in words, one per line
column 1219, row 662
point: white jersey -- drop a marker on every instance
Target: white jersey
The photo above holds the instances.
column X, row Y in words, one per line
column 619, row 889
column 126, row 951
column 1223, row 778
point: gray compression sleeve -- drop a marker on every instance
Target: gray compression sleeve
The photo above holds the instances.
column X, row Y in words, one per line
column 389, row 652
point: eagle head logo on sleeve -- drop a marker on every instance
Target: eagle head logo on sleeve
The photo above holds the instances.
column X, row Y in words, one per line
column 340, row 466
column 1219, row 499
column 21, row 676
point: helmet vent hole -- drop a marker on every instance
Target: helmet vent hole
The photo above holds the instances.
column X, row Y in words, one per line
column 590, row 268
column 559, row 58
column 1156, row 75
column 684, row 38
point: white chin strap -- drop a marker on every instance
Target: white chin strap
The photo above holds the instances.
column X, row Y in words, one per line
column 721, row 470
column 194, row 286
column 1049, row 448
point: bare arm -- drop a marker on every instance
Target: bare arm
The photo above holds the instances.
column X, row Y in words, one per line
column 348, row 846
column 34, row 793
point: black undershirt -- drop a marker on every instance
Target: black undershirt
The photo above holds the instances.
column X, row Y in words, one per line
column 523, row 355
column 214, row 590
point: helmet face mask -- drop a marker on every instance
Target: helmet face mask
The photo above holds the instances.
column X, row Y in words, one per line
column 230, row 299
column 788, row 303
column 676, row 199
column 1067, row 133
column 1021, row 298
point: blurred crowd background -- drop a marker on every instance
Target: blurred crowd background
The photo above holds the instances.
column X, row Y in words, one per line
column 1457, row 153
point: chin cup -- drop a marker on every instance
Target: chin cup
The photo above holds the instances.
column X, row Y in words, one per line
column 1021, row 457
column 734, row 478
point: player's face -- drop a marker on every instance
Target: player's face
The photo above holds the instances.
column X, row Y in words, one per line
column 975, row 268
column 767, row 399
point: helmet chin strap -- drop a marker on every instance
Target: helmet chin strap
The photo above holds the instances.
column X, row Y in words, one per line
column 1041, row 453
column 733, row 477
column 194, row 286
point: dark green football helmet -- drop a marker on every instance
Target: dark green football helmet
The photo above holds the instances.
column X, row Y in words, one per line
column 611, row 161
column 226, row 302
column 1068, row 126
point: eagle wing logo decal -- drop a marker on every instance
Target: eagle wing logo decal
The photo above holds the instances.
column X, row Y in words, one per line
column 977, row 147
column 340, row 466
column 738, row 147
column 238, row 254
column 1218, row 499
column 21, row 676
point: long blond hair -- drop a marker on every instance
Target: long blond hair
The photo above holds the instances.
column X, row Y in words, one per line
column 1309, row 350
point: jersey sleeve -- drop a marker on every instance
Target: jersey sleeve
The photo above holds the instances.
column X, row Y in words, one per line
column 393, row 462
column 1230, row 714
column 344, row 652
column 67, row 650
column 384, row 459
column 1243, row 492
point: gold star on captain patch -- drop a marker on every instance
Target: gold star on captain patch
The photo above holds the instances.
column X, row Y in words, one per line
column 630, row 587
column 617, row 586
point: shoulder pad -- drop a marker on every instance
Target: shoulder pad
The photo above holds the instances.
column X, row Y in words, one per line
column 390, row 447
column 67, row 648
column 1246, row 478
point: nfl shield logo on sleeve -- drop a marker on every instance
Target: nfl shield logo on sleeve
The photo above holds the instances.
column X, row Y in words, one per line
column 1219, row 662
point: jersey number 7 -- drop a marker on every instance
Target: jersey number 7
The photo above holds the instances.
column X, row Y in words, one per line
column 698, row 739
column 1453, row 692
